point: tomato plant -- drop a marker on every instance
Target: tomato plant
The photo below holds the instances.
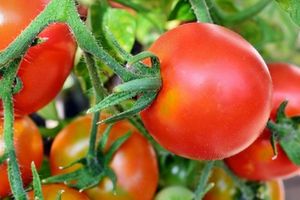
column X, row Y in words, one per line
column 225, row 188
column 29, row 148
column 134, row 163
column 206, row 95
column 51, row 192
column 213, row 103
column 45, row 66
column 257, row 162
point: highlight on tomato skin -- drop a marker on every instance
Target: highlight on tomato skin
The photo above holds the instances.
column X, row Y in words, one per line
column 29, row 148
column 216, row 93
column 51, row 191
column 257, row 161
column 225, row 188
column 134, row 163
column 45, row 66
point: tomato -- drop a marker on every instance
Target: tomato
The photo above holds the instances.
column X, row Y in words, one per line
column 50, row 192
column 257, row 162
column 134, row 163
column 175, row 170
column 45, row 66
column 286, row 80
column 225, row 188
column 216, row 92
column 175, row 192
column 29, row 147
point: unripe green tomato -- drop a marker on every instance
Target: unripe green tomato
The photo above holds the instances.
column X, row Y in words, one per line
column 175, row 193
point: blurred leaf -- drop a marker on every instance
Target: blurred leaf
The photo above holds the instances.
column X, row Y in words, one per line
column 45, row 171
column 122, row 25
column 49, row 111
column 150, row 28
column 182, row 11
column 83, row 75
column 292, row 7
column 227, row 6
column 50, row 132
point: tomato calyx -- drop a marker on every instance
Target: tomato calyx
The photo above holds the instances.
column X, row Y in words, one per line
column 145, row 87
column 286, row 131
column 94, row 167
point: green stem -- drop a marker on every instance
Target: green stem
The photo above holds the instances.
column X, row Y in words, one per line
column 247, row 13
column 14, row 174
column 246, row 191
column 62, row 11
column 201, row 11
column 100, row 93
column 88, row 43
column 203, row 187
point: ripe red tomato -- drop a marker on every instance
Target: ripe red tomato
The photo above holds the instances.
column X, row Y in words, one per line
column 45, row 66
column 286, row 81
column 134, row 163
column 216, row 93
column 29, row 147
column 225, row 189
column 255, row 162
column 51, row 191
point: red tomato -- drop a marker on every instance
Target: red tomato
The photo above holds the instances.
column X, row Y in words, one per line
column 225, row 189
column 29, row 147
column 256, row 163
column 45, row 66
column 51, row 191
column 286, row 81
column 134, row 163
column 216, row 93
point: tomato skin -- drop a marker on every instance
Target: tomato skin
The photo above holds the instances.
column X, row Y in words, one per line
column 225, row 188
column 45, row 66
column 134, row 163
column 286, row 81
column 216, row 93
column 51, row 191
column 29, row 147
column 255, row 162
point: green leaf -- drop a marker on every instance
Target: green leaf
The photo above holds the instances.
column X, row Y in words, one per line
column 291, row 146
column 122, row 25
column 49, row 111
column 111, row 100
column 182, row 11
column 104, row 138
column 37, row 187
column 45, row 171
column 115, row 146
column 142, row 102
column 287, row 132
column 140, row 85
column 292, row 7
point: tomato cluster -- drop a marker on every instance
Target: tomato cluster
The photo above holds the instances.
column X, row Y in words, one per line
column 216, row 98
column 46, row 65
